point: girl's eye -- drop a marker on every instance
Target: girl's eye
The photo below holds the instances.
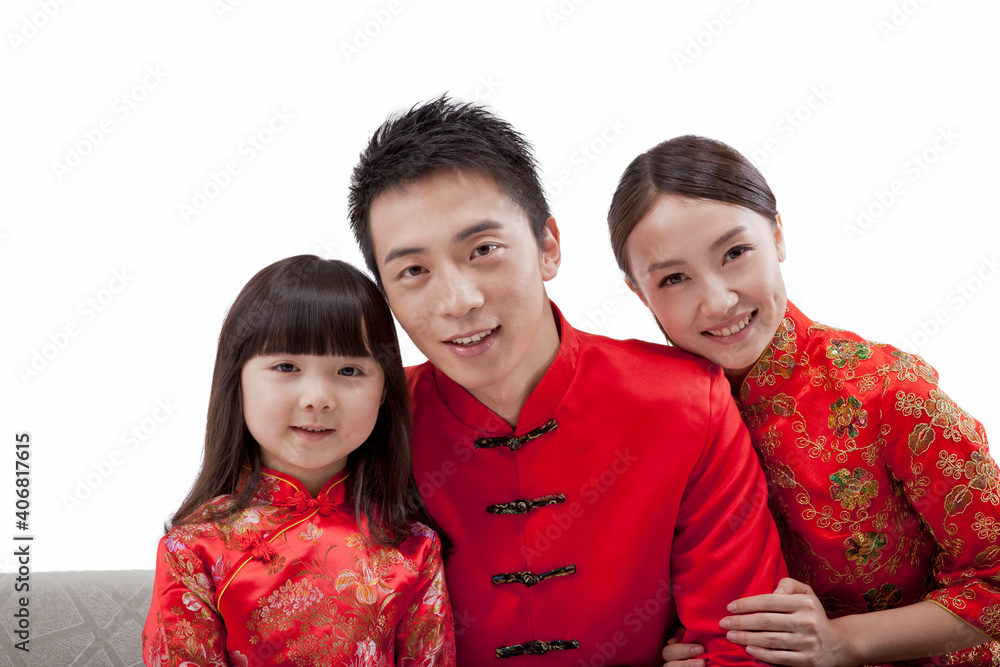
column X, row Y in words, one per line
column 484, row 249
column 285, row 367
column 351, row 371
column 672, row 279
column 736, row 251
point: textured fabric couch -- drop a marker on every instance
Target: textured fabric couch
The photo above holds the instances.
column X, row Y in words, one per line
column 77, row 618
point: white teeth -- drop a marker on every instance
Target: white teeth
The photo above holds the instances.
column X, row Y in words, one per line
column 472, row 339
column 733, row 329
column 312, row 430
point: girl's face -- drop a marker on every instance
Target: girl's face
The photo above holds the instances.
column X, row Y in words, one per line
column 309, row 412
column 709, row 272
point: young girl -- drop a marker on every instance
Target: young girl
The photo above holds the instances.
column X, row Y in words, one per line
column 303, row 540
column 883, row 489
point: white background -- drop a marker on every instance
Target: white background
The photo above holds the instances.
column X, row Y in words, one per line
column 833, row 99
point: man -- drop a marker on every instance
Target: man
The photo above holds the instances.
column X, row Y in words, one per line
column 597, row 491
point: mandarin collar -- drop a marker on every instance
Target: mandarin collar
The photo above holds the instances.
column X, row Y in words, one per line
column 777, row 363
column 278, row 488
column 541, row 402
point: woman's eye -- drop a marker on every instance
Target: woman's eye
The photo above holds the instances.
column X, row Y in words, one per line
column 351, row 371
column 672, row 279
column 285, row 367
column 484, row 249
column 736, row 251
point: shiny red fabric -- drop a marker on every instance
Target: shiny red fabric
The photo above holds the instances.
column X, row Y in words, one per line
column 664, row 515
column 883, row 489
column 290, row 581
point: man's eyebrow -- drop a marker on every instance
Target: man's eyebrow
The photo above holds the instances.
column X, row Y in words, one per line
column 396, row 253
column 484, row 226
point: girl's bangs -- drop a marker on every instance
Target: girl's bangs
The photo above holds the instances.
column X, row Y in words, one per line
column 309, row 321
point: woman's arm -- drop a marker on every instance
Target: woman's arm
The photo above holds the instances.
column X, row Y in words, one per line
column 790, row 627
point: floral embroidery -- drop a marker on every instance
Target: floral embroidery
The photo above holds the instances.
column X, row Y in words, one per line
column 295, row 610
column 864, row 547
column 886, row 596
column 782, row 474
column 783, row 406
column 987, row 527
column 847, row 354
column 312, row 533
column 983, row 476
column 921, row 438
column 883, row 489
column 282, row 608
column 958, row 499
column 853, row 489
column 846, row 416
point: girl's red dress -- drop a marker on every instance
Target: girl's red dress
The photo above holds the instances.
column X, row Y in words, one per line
column 289, row 580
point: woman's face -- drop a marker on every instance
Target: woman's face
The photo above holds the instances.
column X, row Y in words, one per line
column 709, row 272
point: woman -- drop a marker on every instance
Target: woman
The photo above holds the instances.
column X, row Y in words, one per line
column 882, row 488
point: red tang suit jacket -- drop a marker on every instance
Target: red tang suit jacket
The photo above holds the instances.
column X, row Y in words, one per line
column 626, row 499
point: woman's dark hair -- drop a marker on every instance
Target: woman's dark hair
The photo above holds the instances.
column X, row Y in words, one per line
column 689, row 166
column 443, row 134
column 309, row 305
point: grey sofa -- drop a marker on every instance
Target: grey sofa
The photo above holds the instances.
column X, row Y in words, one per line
column 77, row 618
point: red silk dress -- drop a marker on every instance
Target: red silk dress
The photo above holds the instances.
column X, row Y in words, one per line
column 883, row 488
column 628, row 496
column 289, row 581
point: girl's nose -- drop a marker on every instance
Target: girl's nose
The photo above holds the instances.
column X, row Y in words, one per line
column 318, row 395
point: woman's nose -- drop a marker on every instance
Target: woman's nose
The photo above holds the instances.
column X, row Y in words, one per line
column 718, row 298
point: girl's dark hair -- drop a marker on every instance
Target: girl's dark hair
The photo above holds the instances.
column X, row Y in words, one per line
column 309, row 305
column 689, row 166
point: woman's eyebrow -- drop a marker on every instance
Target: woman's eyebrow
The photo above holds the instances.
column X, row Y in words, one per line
column 724, row 239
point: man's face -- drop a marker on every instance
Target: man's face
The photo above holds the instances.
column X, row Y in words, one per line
column 464, row 276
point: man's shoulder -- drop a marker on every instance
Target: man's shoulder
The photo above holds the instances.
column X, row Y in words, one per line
column 633, row 354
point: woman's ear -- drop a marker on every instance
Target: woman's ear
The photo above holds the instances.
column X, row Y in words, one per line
column 636, row 291
column 779, row 238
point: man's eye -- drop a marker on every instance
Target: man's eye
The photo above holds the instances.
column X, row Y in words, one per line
column 412, row 271
column 485, row 249
column 672, row 279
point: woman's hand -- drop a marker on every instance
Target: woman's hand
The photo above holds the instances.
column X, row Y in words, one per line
column 682, row 655
column 788, row 627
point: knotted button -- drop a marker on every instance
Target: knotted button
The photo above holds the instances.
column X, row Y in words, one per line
column 536, row 647
column 254, row 544
column 523, row 506
column 301, row 502
column 530, row 579
column 515, row 442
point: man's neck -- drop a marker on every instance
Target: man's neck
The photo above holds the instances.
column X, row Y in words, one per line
column 507, row 398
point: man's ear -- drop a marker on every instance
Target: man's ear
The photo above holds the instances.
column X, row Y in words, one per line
column 551, row 255
column 779, row 238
